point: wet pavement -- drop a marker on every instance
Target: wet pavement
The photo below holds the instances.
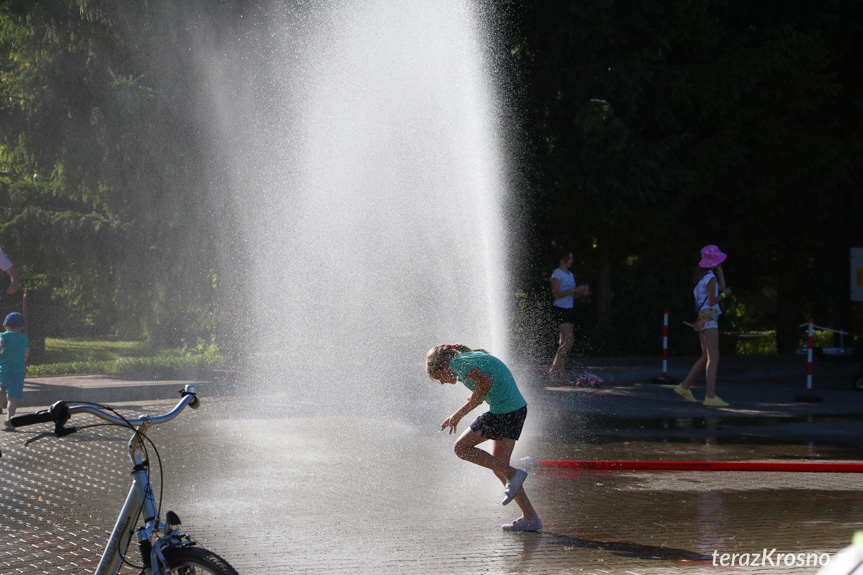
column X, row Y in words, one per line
column 282, row 481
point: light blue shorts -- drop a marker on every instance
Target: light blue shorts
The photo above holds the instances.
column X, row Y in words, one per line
column 13, row 382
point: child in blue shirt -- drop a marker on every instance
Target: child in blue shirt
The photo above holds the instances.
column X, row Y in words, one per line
column 14, row 351
column 490, row 381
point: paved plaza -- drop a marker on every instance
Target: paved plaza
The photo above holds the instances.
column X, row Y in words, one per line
column 285, row 481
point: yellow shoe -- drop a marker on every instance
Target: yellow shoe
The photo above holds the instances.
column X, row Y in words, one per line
column 714, row 402
column 685, row 393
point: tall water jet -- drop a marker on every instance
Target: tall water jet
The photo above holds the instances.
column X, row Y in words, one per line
column 364, row 140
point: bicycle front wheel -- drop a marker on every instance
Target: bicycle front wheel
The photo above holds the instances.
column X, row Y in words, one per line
column 196, row 561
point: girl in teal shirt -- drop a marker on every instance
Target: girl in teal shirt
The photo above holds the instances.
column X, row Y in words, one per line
column 490, row 381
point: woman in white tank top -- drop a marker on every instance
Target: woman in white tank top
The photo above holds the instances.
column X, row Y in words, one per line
column 564, row 291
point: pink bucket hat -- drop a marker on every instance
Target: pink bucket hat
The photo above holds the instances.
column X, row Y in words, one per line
column 711, row 257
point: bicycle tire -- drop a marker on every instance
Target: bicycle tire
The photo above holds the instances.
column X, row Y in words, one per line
column 196, row 561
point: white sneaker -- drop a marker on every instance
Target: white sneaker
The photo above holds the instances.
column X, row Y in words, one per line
column 522, row 524
column 513, row 485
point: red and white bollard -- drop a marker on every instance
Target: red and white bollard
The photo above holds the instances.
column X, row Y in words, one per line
column 665, row 344
column 809, row 349
column 808, row 397
column 664, row 378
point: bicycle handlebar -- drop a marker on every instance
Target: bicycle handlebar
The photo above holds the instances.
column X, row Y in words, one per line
column 60, row 413
column 43, row 416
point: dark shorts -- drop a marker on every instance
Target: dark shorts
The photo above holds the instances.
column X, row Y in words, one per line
column 496, row 426
column 563, row 315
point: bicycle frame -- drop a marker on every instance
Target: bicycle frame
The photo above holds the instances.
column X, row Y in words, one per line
column 140, row 498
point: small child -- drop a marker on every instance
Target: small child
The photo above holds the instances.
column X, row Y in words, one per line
column 14, row 351
column 489, row 380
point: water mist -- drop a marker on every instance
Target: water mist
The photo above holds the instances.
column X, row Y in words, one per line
column 364, row 144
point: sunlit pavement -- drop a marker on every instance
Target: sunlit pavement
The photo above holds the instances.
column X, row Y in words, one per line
column 283, row 482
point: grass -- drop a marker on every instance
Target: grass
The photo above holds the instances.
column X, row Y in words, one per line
column 75, row 356
column 766, row 344
column 65, row 350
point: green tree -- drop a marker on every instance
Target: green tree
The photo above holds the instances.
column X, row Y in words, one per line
column 663, row 127
column 105, row 202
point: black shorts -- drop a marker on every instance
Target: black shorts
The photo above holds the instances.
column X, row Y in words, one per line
column 496, row 426
column 563, row 315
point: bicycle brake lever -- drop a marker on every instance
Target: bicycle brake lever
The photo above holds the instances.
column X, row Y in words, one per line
column 61, row 431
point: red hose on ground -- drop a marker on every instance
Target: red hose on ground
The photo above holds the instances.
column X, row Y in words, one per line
column 700, row 466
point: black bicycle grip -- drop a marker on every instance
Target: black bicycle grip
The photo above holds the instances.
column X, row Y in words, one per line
column 58, row 413
column 43, row 416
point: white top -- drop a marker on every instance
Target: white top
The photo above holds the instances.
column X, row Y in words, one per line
column 567, row 282
column 5, row 262
column 700, row 293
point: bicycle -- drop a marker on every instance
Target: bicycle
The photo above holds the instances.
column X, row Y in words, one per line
column 171, row 552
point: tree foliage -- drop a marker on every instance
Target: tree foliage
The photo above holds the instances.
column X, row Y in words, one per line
column 648, row 131
column 104, row 199
column 662, row 127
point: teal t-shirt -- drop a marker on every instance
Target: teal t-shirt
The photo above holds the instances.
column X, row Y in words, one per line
column 13, row 358
column 504, row 396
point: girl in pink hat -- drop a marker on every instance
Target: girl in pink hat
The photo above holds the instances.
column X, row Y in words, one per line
column 709, row 290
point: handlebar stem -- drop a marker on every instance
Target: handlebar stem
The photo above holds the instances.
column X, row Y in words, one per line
column 136, row 443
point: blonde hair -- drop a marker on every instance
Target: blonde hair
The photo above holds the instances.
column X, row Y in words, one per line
column 438, row 358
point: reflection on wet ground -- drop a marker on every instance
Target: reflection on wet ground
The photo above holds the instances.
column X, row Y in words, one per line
column 710, row 423
column 807, row 437
column 305, row 491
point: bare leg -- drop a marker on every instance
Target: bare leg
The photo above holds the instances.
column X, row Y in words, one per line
column 502, row 450
column 710, row 345
column 13, row 407
column 700, row 365
column 498, row 461
column 466, row 448
column 567, row 340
